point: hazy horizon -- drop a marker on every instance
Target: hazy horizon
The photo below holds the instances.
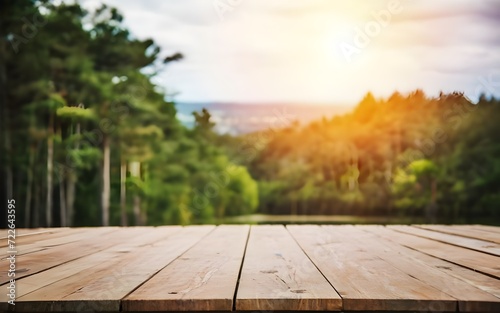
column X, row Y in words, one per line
column 241, row 118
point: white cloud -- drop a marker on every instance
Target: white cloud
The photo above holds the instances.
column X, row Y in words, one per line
column 288, row 51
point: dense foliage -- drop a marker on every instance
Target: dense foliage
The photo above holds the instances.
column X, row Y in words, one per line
column 87, row 139
column 407, row 155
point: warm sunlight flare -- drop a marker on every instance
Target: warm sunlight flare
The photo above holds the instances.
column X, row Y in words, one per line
column 318, row 51
column 186, row 112
column 159, row 156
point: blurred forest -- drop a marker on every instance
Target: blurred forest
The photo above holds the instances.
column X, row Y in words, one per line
column 88, row 139
column 408, row 155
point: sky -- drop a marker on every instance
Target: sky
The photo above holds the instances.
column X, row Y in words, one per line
column 319, row 51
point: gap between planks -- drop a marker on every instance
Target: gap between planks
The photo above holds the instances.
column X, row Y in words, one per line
column 278, row 275
column 202, row 278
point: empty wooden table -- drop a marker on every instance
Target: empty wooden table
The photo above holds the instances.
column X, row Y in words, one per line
column 417, row 268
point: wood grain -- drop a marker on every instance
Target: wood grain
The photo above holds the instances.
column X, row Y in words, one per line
column 113, row 279
column 469, row 297
column 137, row 237
column 423, row 268
column 365, row 281
column 204, row 278
column 53, row 255
column 476, row 261
column 470, row 233
column 485, row 228
column 40, row 241
column 484, row 282
column 469, row 243
column 23, row 233
column 277, row 275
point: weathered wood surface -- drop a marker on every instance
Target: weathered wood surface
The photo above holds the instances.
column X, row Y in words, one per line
column 364, row 280
column 422, row 268
column 203, row 278
column 277, row 274
column 492, row 236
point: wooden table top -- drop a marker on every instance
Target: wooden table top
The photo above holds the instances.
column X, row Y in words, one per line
column 255, row 268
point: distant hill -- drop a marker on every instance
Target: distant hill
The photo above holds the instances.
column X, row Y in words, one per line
column 241, row 118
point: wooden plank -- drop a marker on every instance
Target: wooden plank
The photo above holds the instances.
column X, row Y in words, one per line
column 364, row 281
column 137, row 237
column 35, row 244
column 112, row 280
column 481, row 281
column 477, row 261
column 373, row 261
column 469, row 297
column 470, row 233
column 90, row 242
column 204, row 278
column 470, row 243
column 486, row 228
column 27, row 232
column 277, row 275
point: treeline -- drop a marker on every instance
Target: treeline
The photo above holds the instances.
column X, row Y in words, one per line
column 88, row 139
column 408, row 155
